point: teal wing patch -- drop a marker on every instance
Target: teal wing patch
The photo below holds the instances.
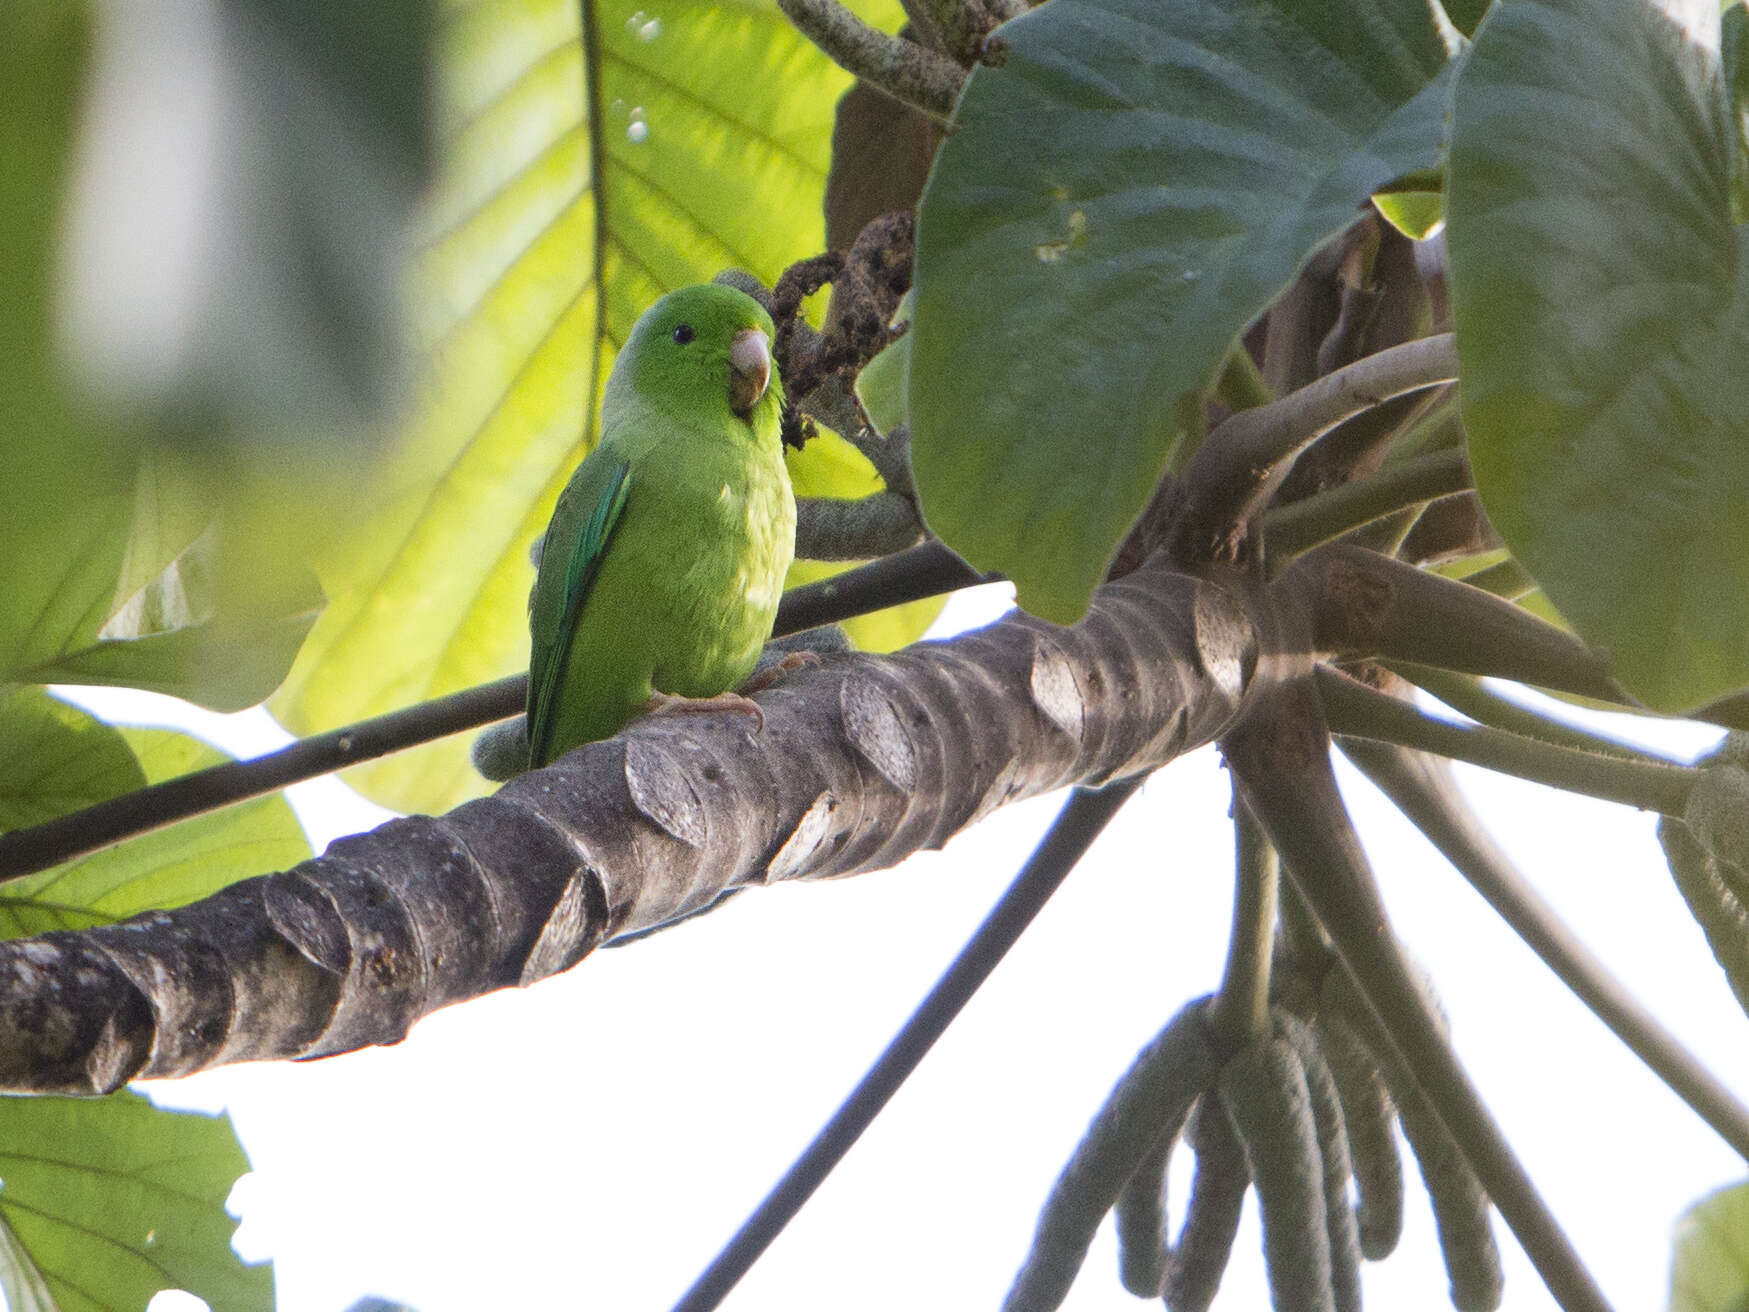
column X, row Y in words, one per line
column 548, row 659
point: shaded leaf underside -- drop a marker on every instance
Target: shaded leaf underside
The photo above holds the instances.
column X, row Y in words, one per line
column 1117, row 201
column 1596, row 288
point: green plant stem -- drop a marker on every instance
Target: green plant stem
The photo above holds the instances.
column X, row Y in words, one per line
column 1425, row 794
column 1241, row 385
column 1357, row 711
column 1507, row 579
column 1438, row 428
column 1243, row 461
column 1280, row 755
column 1366, row 604
column 923, row 571
column 1241, row 1008
column 1469, row 696
column 1301, row 525
column 1076, row 827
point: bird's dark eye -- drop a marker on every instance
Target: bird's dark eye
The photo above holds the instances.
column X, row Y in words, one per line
column 683, row 334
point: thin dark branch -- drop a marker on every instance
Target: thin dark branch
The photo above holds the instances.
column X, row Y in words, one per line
column 890, row 454
column 924, row 571
column 1079, row 824
column 1423, row 790
column 25, row 851
column 1280, row 755
column 1359, row 711
column 832, row 404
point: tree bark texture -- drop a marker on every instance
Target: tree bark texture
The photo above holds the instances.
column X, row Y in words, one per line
column 860, row 762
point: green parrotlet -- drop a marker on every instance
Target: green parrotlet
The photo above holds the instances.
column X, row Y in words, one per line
column 661, row 570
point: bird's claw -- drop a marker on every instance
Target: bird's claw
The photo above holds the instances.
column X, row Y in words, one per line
column 791, row 662
column 663, row 703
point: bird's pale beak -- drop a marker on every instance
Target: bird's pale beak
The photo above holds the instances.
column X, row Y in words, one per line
column 749, row 369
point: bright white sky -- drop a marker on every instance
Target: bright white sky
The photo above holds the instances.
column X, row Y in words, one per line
column 592, row 1141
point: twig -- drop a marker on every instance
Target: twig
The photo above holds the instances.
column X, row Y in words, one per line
column 1424, row 792
column 25, row 851
column 1241, row 1009
column 870, row 526
column 962, row 26
column 1280, row 756
column 1467, row 696
column 924, row 571
column 1356, row 710
column 1508, row 579
column 1079, row 824
column 905, row 70
column 1244, row 460
column 889, row 453
column 1300, row 525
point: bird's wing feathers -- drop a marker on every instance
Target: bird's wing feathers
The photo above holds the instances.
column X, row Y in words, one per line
column 551, row 649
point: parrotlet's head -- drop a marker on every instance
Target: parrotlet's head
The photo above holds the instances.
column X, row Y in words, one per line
column 704, row 351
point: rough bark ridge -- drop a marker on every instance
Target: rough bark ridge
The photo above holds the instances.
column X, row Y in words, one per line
column 861, row 762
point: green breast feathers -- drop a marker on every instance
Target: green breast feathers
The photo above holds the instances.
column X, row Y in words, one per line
column 662, row 567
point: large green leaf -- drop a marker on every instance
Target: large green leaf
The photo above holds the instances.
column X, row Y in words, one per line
column 104, row 1203
column 57, row 759
column 549, row 232
column 1115, row 203
column 1597, row 290
column 1734, row 60
column 65, row 486
column 108, row 1201
column 104, row 520
column 237, row 222
column 152, row 599
column 1711, row 1269
column 167, row 868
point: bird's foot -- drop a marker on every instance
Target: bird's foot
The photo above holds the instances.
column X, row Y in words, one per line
column 663, row 703
column 791, row 662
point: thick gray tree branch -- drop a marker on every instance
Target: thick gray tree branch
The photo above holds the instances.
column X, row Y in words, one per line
column 924, row 571
column 861, row 762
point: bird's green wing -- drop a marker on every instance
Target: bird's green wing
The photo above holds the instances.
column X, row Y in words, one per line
column 554, row 619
